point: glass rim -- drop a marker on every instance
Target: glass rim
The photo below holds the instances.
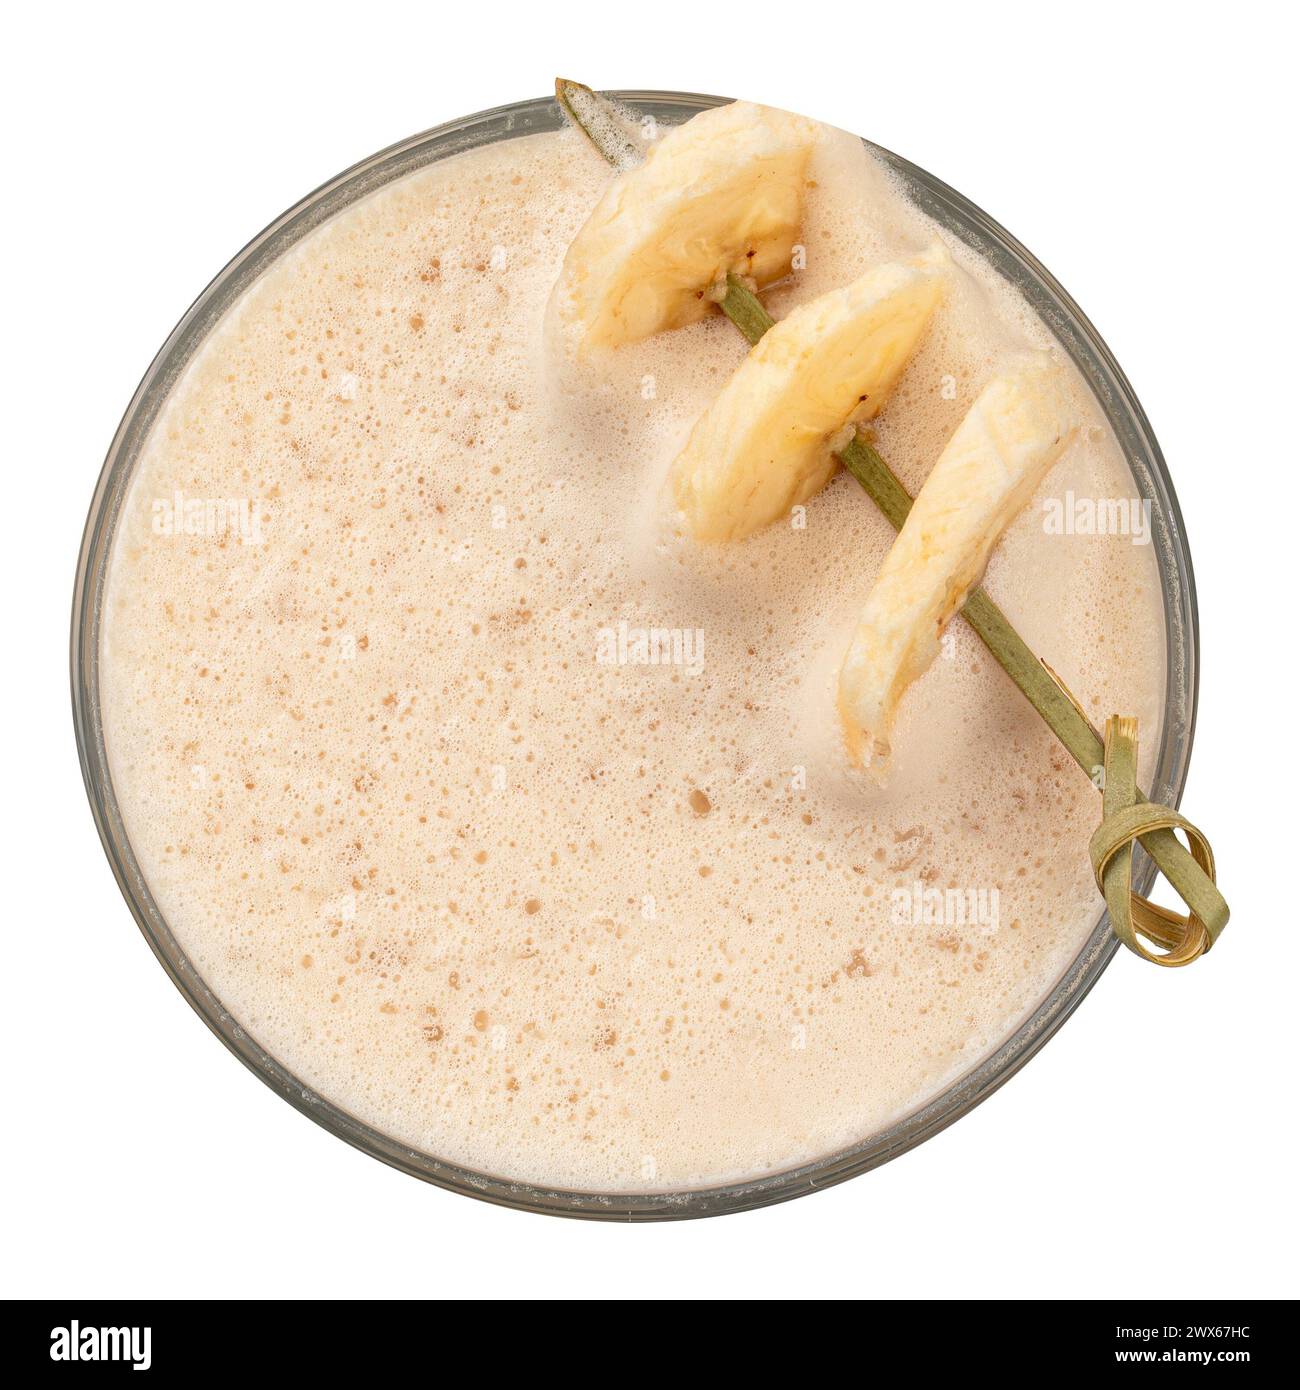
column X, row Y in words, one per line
column 1117, row 401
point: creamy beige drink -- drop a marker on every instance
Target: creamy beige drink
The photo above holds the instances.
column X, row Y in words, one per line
column 516, row 822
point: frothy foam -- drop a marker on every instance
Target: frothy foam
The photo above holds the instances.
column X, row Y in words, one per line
column 580, row 919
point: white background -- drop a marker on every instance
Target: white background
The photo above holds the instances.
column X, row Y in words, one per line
column 1144, row 153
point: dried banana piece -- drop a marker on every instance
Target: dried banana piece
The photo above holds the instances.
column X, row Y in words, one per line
column 991, row 467
column 721, row 193
column 765, row 444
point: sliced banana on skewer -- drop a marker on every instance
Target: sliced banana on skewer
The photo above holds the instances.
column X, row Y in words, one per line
column 765, row 444
column 722, row 193
column 991, row 467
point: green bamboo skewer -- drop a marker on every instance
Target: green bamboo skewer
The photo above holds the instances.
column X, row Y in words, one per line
column 592, row 114
column 1040, row 686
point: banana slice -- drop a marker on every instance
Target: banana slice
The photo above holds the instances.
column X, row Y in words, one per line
column 764, row 445
column 724, row 192
column 990, row 468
